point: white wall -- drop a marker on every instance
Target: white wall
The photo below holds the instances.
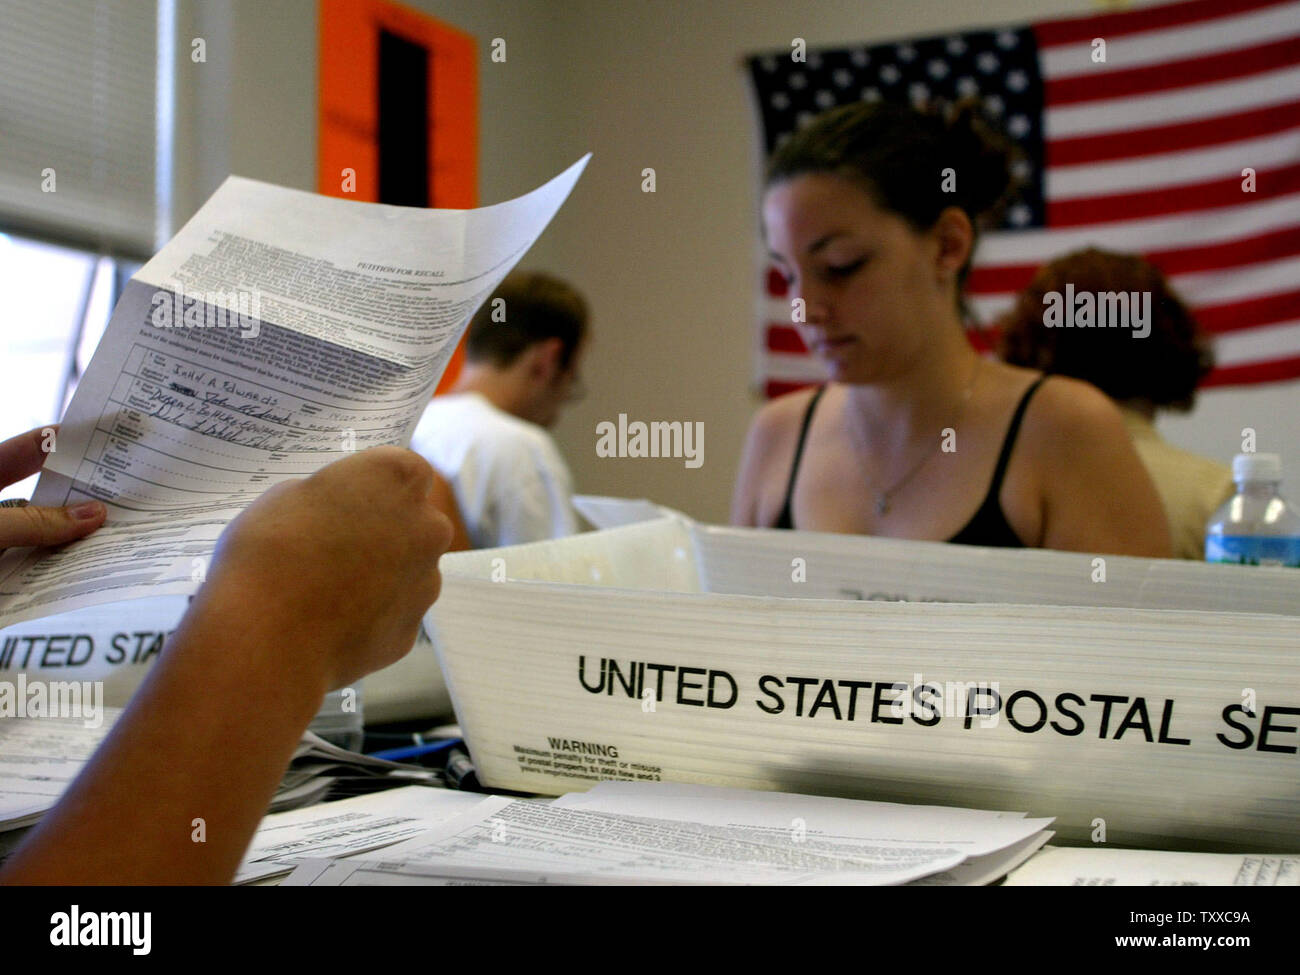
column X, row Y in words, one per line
column 251, row 108
column 670, row 275
column 1215, row 427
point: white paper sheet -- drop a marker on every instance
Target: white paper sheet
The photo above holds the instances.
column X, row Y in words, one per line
column 349, row 826
column 1064, row 866
column 365, row 873
column 989, row 868
column 321, row 327
column 39, row 758
column 536, row 842
column 993, row 842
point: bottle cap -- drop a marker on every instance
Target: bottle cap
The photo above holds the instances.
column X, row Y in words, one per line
column 1257, row 467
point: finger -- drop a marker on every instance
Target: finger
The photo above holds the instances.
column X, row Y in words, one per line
column 49, row 526
column 24, row 455
column 414, row 471
column 443, row 533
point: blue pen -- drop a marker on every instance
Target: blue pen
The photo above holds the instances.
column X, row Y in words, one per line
column 415, row 751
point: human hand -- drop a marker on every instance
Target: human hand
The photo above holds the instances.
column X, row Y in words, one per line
column 335, row 570
column 20, row 457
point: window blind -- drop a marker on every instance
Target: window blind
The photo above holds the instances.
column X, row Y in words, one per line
column 78, row 121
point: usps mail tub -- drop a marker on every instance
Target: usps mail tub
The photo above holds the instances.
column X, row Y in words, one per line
column 1144, row 703
column 108, row 648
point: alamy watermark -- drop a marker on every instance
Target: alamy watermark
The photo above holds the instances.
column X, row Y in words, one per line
column 77, row 928
column 23, row 698
column 658, row 438
column 1098, row 309
column 927, row 701
column 177, row 308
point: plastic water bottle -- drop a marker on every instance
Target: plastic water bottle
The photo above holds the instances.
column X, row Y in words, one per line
column 1255, row 526
column 341, row 720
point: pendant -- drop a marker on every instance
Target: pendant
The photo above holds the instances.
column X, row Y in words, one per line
column 882, row 504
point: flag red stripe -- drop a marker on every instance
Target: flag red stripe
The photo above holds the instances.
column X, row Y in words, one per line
column 785, row 338
column 1249, row 373
column 997, row 279
column 779, row 387
column 1177, row 137
column 984, row 339
column 1233, row 316
column 1271, row 246
column 1205, row 195
column 1277, row 244
column 1083, row 29
column 1094, row 86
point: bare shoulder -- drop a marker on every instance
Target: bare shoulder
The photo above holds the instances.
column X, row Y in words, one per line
column 776, row 424
column 1096, row 494
column 769, row 450
column 1065, row 412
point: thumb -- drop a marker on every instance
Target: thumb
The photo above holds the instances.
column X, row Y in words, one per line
column 49, row 526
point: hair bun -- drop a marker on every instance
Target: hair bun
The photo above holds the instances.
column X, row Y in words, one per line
column 983, row 159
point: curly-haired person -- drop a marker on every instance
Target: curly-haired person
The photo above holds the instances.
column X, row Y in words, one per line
column 1143, row 371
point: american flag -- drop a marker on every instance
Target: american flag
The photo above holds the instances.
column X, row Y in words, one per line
column 1143, row 152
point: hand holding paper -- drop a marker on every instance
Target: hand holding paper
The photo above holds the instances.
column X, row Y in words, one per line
column 277, row 332
column 351, row 556
column 180, row 425
column 21, row 457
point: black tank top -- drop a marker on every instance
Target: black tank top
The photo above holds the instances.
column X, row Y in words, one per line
column 987, row 527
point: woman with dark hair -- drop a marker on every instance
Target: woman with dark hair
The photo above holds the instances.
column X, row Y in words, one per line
column 872, row 213
column 1161, row 370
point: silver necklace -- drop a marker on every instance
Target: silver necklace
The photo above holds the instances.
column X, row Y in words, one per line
column 883, row 497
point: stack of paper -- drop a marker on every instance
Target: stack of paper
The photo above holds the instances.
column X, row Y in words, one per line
column 319, row 769
column 1097, row 867
column 347, row 827
column 39, row 758
column 624, row 833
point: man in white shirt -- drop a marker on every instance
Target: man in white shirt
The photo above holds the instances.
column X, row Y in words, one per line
column 488, row 436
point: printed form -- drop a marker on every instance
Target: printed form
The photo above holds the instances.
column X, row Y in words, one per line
column 278, row 331
column 994, row 842
column 349, row 826
column 39, row 758
column 653, row 833
column 1082, row 867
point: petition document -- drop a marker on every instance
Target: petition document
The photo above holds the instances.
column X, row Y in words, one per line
column 39, row 758
column 1082, row 867
column 514, row 841
column 993, row 842
column 347, row 827
column 278, row 331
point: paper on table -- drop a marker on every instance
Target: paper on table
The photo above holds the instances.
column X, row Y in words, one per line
column 318, row 766
column 1061, row 866
column 39, row 758
column 536, row 842
column 981, row 870
column 347, row 827
column 830, row 826
column 321, row 326
column 365, row 873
